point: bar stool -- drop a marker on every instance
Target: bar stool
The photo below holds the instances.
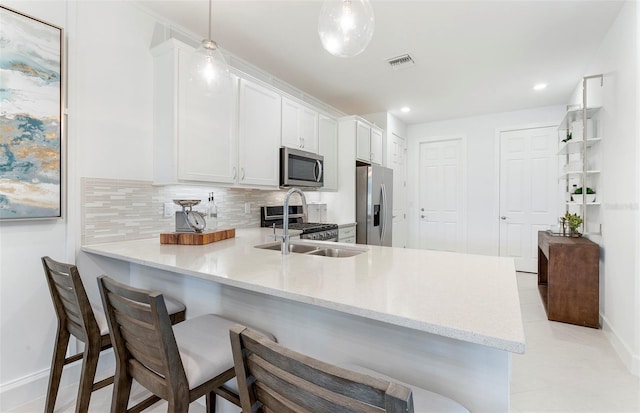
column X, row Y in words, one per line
column 179, row 364
column 272, row 378
column 79, row 318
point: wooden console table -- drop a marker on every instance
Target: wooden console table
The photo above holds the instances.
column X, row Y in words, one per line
column 568, row 279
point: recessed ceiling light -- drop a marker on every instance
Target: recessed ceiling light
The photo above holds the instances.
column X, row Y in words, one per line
column 406, row 109
column 540, row 86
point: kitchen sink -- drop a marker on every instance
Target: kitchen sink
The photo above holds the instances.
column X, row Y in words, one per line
column 311, row 248
column 336, row 252
column 277, row 246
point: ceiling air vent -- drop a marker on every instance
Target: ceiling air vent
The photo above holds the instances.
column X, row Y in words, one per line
column 401, row 62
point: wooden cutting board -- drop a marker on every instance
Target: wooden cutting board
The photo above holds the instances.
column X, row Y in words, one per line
column 197, row 238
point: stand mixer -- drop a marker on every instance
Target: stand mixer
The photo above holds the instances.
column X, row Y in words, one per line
column 188, row 220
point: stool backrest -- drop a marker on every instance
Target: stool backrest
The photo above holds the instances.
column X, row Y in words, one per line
column 272, row 378
column 70, row 300
column 142, row 337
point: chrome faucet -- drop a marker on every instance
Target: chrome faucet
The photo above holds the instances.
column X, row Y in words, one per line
column 285, row 223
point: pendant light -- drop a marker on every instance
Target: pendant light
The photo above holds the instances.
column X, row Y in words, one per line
column 345, row 27
column 209, row 71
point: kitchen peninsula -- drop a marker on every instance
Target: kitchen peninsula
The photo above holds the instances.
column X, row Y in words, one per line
column 444, row 321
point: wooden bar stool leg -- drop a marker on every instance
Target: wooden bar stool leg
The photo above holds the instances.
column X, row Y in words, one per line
column 121, row 392
column 177, row 405
column 89, row 367
column 57, row 363
column 211, row 402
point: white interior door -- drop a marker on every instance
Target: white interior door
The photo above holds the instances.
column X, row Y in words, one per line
column 399, row 165
column 528, row 188
column 441, row 199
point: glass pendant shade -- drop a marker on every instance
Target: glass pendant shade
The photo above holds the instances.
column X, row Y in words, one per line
column 345, row 27
column 209, row 69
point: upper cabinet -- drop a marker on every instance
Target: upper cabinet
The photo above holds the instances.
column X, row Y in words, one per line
column 376, row 145
column 259, row 135
column 194, row 133
column 299, row 126
column 206, row 131
column 328, row 148
column 231, row 137
column 368, row 141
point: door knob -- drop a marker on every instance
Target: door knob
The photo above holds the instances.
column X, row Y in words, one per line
column 503, row 218
column 421, row 216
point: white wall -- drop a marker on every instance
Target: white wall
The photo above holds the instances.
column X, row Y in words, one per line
column 27, row 322
column 109, row 135
column 617, row 59
column 635, row 368
column 482, row 169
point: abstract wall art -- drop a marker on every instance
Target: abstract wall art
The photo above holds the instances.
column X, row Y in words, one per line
column 31, row 129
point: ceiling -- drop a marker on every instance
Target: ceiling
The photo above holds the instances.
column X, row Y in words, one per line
column 472, row 57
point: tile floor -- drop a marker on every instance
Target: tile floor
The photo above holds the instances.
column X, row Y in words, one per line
column 566, row 368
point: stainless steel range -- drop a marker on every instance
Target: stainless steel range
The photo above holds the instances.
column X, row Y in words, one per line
column 270, row 215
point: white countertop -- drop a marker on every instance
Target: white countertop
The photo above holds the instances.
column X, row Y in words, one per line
column 473, row 298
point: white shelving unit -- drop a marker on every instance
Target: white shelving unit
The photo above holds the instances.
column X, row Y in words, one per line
column 576, row 146
column 578, row 151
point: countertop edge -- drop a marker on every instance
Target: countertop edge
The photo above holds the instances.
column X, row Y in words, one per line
column 444, row 331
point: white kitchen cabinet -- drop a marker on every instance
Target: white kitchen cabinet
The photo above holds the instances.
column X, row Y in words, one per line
column 363, row 141
column 368, row 139
column 207, row 144
column 194, row 133
column 376, row 145
column 328, row 148
column 347, row 233
column 258, row 135
column 299, row 126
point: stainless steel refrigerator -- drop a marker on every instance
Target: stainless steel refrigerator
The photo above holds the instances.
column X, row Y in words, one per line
column 374, row 205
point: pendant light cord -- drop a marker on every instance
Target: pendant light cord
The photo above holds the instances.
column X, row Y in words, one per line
column 209, row 38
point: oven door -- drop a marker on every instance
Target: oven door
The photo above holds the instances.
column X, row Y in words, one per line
column 300, row 168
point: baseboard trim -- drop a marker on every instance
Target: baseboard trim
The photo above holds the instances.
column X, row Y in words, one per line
column 630, row 360
column 34, row 386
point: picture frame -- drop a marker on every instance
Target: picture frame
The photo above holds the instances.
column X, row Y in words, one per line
column 31, row 117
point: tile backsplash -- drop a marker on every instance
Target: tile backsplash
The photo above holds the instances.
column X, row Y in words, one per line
column 118, row 210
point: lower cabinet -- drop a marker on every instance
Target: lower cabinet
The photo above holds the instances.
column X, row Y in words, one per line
column 347, row 233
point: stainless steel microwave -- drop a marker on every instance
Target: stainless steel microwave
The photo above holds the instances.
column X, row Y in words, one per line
column 301, row 168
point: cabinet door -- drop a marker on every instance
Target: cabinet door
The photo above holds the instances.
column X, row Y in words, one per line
column 291, row 124
column 309, row 129
column 259, row 135
column 363, row 141
column 206, row 130
column 376, row 146
column 347, row 234
column 328, row 147
column 299, row 126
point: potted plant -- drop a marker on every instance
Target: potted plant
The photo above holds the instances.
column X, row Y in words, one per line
column 590, row 195
column 574, row 221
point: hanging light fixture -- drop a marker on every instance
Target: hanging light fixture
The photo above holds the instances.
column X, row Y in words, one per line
column 345, row 26
column 209, row 70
